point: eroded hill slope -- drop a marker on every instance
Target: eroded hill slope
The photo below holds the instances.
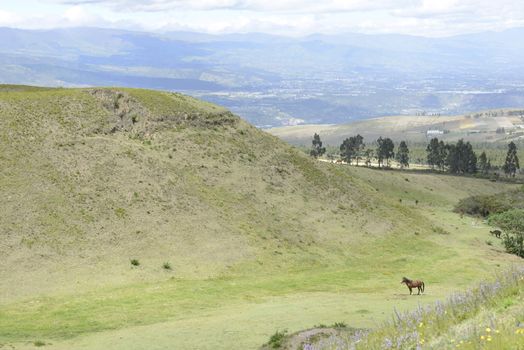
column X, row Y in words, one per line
column 94, row 177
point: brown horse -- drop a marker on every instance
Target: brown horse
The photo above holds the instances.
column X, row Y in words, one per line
column 413, row 284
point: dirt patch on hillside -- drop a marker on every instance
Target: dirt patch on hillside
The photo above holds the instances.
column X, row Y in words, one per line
column 129, row 115
column 126, row 113
column 328, row 336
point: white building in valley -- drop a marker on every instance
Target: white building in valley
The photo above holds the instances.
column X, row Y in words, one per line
column 434, row 132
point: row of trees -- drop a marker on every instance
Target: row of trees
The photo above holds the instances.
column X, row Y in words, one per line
column 457, row 158
column 353, row 149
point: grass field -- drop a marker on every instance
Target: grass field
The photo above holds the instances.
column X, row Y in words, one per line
column 259, row 236
column 488, row 316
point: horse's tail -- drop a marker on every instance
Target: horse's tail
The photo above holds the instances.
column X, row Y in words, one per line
column 422, row 287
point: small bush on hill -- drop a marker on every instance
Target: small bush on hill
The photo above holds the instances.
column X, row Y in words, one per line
column 481, row 205
column 512, row 222
column 166, row 266
column 135, row 262
column 339, row 325
column 277, row 339
column 120, row 212
column 505, row 210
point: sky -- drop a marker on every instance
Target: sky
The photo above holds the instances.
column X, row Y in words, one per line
column 433, row 18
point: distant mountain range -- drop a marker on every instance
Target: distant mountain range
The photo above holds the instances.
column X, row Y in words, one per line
column 273, row 80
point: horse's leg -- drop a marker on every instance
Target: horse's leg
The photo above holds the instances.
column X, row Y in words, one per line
column 410, row 290
column 418, row 290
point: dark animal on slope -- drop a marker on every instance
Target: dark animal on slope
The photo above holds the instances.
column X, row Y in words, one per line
column 496, row 233
column 413, row 284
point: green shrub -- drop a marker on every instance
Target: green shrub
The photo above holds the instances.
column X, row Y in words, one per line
column 339, row 325
column 512, row 222
column 135, row 262
column 166, row 266
column 277, row 339
column 482, row 205
column 39, row 343
column 120, row 212
column 485, row 205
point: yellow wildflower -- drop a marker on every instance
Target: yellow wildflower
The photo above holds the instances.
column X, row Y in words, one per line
column 482, row 337
column 497, row 331
column 488, row 329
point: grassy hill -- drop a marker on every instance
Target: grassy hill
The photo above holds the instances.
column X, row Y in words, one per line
column 257, row 236
column 478, row 128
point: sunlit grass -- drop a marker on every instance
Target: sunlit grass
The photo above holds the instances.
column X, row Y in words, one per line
column 477, row 318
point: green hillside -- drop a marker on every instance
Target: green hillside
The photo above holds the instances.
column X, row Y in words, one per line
column 258, row 237
column 478, row 128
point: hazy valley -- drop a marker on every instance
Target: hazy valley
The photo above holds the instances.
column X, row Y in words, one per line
column 273, row 80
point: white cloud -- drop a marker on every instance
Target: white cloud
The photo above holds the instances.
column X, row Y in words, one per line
column 79, row 16
column 296, row 26
column 290, row 6
column 71, row 16
column 8, row 18
column 292, row 17
column 447, row 17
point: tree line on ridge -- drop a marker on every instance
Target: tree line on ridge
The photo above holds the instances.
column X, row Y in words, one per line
column 455, row 158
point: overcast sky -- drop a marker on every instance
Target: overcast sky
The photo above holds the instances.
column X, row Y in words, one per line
column 288, row 17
